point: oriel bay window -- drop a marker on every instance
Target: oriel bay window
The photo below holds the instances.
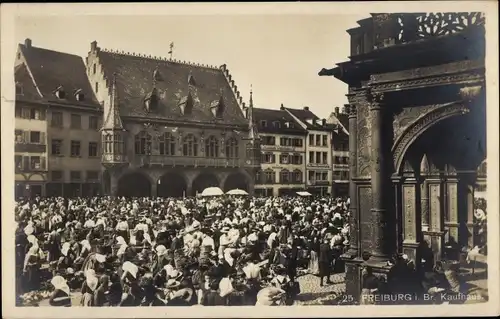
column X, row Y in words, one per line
column 167, row 144
column 232, row 148
column 143, row 143
column 190, row 146
column 211, row 147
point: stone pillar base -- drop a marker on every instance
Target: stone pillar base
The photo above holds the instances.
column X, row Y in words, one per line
column 353, row 280
column 435, row 239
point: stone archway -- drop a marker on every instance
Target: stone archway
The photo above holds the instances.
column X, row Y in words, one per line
column 438, row 175
column 172, row 184
column 134, row 184
column 236, row 180
column 204, row 180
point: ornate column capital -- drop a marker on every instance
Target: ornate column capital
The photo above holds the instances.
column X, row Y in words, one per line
column 351, row 110
column 471, row 93
column 376, row 100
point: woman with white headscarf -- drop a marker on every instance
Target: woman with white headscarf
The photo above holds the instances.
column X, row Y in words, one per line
column 61, row 295
column 31, row 269
column 88, row 288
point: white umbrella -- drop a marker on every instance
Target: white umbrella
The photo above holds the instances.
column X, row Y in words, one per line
column 237, row 191
column 303, row 193
column 212, row 191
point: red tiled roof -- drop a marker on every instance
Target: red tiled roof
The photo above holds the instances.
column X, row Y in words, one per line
column 134, row 78
column 51, row 69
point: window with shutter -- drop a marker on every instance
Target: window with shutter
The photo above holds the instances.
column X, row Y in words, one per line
column 26, row 137
column 42, row 163
column 273, row 159
column 25, row 113
column 19, row 136
column 18, row 161
column 26, row 162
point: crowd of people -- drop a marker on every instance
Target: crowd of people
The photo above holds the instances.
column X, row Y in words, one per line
column 212, row 251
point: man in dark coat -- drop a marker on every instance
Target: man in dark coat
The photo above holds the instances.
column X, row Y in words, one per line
column 324, row 260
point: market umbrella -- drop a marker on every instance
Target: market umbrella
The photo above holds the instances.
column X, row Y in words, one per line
column 212, row 191
column 304, row 194
column 237, row 191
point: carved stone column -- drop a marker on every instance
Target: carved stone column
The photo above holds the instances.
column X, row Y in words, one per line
column 470, row 215
column 409, row 205
column 353, row 207
column 451, row 204
column 435, row 215
column 379, row 185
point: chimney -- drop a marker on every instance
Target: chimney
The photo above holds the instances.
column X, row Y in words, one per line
column 323, row 121
column 337, row 111
column 27, row 42
column 93, row 46
column 306, row 108
column 282, row 107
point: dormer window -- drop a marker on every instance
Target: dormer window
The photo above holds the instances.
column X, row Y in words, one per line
column 186, row 104
column 263, row 123
column 310, row 121
column 60, row 93
column 19, row 89
column 277, row 124
column 289, row 125
column 191, row 80
column 151, row 100
column 217, row 107
column 79, row 95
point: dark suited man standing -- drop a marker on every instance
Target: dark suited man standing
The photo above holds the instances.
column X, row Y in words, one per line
column 325, row 260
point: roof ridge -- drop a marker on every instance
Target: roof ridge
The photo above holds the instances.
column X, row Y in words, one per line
column 21, row 49
column 50, row 50
column 159, row 58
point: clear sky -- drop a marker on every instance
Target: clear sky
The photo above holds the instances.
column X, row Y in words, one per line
column 279, row 55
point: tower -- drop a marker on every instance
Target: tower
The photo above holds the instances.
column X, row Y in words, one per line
column 253, row 151
column 113, row 136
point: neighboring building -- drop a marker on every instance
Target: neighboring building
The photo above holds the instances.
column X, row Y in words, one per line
column 283, row 153
column 340, row 153
column 57, row 121
column 318, row 150
column 171, row 128
column 481, row 180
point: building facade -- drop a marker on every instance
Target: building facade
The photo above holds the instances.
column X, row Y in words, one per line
column 283, row 143
column 318, row 150
column 128, row 125
column 340, row 152
column 57, row 120
column 171, row 128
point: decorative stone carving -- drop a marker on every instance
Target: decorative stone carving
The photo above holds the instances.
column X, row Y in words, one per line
column 409, row 212
column 435, row 207
column 477, row 77
column 408, row 115
column 363, row 137
column 418, row 127
column 424, row 165
column 365, row 220
column 415, row 26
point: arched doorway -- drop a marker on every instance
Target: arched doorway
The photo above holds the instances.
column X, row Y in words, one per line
column 203, row 181
column 134, row 185
column 442, row 162
column 171, row 184
column 236, row 180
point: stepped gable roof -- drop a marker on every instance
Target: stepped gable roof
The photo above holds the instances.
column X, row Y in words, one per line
column 271, row 116
column 138, row 75
column 53, row 69
column 23, row 78
column 310, row 120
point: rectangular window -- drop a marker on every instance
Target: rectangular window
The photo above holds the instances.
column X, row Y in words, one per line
column 56, row 147
column 311, row 176
column 311, row 157
column 35, row 137
column 36, row 162
column 57, row 119
column 263, row 123
column 311, row 139
column 75, row 175
column 297, row 142
column 284, row 158
column 18, row 160
column 318, row 157
column 25, row 113
column 318, row 140
column 92, row 175
column 56, row 176
column 35, row 114
column 325, row 140
column 75, row 148
column 325, row 157
column 270, row 177
column 18, row 113
column 96, row 87
column 92, row 149
column 19, row 136
column 337, row 175
column 76, row 121
column 324, row 176
column 93, row 123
